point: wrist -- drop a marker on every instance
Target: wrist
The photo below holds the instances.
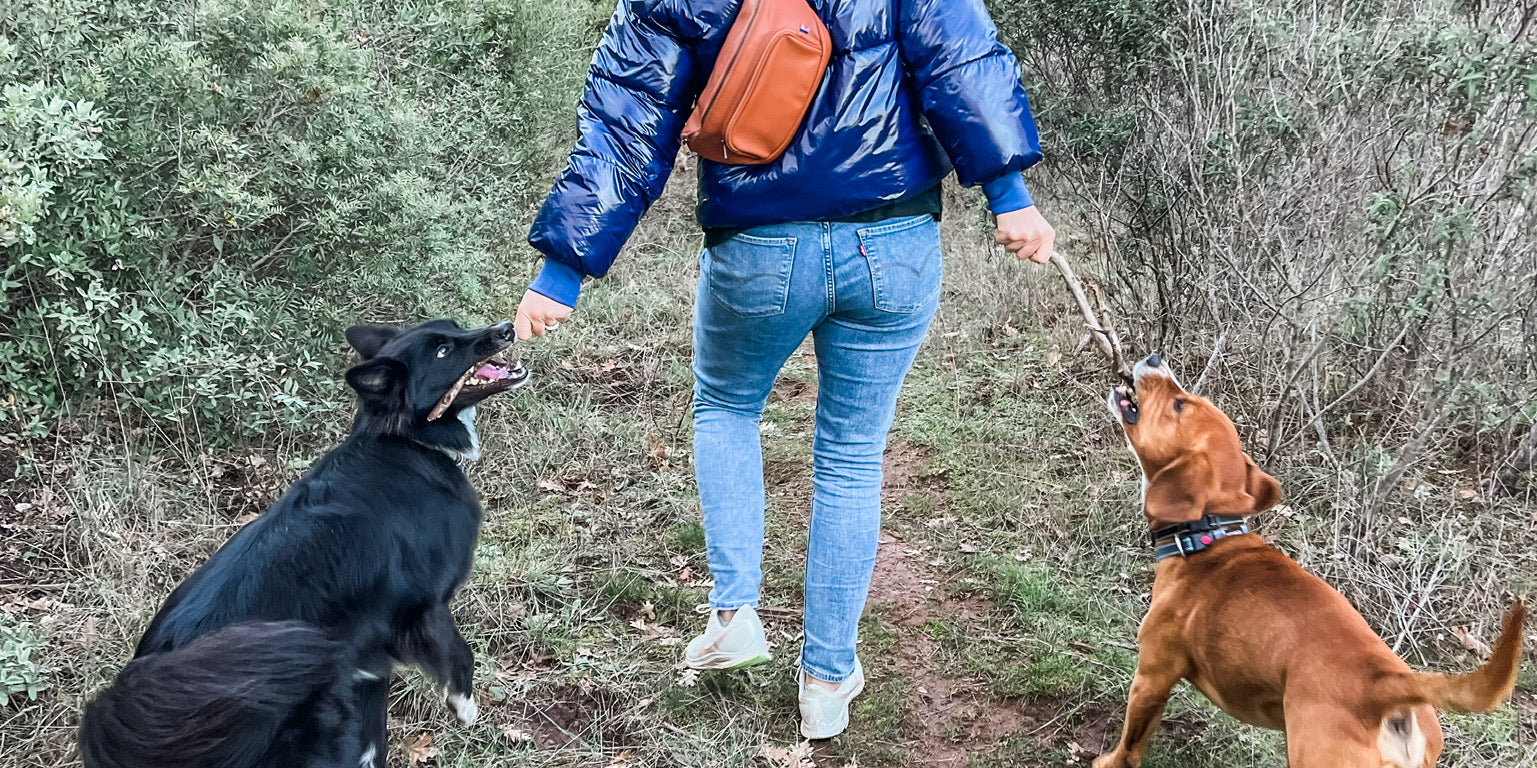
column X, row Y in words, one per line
column 558, row 282
column 1007, row 194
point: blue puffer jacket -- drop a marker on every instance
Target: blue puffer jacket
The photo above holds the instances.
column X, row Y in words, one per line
column 914, row 87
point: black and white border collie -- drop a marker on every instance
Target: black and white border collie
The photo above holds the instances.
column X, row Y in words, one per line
column 277, row 652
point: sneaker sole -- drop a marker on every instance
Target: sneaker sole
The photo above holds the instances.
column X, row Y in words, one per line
column 813, row 736
column 718, row 663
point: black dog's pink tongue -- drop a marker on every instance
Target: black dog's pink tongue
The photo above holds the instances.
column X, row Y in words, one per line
column 492, row 372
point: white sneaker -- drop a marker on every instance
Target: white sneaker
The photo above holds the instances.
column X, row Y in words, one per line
column 824, row 713
column 729, row 646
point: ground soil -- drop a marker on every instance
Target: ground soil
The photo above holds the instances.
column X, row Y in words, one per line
column 950, row 717
column 568, row 717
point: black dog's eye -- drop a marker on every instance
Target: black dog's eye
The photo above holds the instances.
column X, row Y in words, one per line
column 443, row 351
column 1179, row 405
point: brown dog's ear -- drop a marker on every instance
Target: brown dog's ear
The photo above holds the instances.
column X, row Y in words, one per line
column 1262, row 487
column 1180, row 491
column 1259, row 493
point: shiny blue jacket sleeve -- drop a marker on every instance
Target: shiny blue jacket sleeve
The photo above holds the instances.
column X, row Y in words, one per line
column 640, row 88
column 970, row 88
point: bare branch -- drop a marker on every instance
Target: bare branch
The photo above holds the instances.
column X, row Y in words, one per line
column 1109, row 342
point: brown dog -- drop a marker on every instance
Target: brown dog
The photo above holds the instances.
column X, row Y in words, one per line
column 1268, row 642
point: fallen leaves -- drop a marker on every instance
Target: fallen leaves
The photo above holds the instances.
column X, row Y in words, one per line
column 685, row 574
column 798, row 756
column 516, row 735
column 1471, row 642
column 659, row 453
column 422, row 750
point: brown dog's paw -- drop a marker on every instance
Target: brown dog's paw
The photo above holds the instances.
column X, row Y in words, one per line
column 1110, row 760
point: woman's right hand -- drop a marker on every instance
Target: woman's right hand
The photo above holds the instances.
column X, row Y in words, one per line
column 538, row 314
column 1026, row 234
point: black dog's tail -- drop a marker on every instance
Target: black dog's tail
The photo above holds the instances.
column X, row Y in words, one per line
column 226, row 699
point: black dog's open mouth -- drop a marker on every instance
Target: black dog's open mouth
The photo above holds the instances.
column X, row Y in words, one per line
column 1125, row 402
column 482, row 380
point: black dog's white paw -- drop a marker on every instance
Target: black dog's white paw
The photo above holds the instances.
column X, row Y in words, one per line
column 464, row 707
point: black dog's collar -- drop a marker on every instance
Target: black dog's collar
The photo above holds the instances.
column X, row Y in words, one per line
column 1189, row 538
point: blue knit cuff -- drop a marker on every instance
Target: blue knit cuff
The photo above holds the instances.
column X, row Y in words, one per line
column 1007, row 193
column 559, row 282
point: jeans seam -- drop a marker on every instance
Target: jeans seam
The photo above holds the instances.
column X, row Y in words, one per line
column 897, row 226
column 828, row 267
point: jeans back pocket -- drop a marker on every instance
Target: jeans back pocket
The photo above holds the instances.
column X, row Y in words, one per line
column 906, row 265
column 750, row 275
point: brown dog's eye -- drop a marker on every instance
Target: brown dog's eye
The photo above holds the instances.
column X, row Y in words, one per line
column 1179, row 405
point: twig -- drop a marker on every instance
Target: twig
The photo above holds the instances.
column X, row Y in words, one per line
column 1216, row 352
column 781, row 614
column 1109, row 342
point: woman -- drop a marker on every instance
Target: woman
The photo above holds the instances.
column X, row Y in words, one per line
column 838, row 239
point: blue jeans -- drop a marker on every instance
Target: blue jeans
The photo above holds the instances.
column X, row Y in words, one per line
column 866, row 293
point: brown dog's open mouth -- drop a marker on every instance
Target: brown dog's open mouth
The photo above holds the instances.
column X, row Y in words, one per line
column 482, row 380
column 1125, row 402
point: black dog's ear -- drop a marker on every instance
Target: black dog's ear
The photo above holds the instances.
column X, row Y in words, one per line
column 369, row 339
column 377, row 378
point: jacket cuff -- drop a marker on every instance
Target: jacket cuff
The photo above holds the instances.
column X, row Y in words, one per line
column 559, row 282
column 1007, row 193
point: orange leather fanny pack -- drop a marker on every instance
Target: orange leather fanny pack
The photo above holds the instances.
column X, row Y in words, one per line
column 770, row 68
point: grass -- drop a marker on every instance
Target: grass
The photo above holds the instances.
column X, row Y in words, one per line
column 1016, row 512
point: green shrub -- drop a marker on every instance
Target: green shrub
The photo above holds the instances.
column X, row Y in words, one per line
column 195, row 198
column 22, row 671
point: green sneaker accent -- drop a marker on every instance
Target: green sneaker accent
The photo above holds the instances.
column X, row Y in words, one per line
column 756, row 661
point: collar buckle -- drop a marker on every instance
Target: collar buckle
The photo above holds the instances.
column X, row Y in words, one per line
column 1196, row 536
column 1179, row 545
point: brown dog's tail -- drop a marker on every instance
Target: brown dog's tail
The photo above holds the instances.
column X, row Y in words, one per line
column 1484, row 688
column 1481, row 690
column 1400, row 737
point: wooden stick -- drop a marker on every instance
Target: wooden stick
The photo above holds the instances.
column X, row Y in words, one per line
column 1109, row 341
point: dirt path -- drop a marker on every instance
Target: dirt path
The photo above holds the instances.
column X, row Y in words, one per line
column 949, row 718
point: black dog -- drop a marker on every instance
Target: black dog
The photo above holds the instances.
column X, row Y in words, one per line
column 277, row 652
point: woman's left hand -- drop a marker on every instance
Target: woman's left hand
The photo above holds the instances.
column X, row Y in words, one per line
column 538, row 314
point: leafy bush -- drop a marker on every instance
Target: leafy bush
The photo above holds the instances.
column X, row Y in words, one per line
column 196, row 197
column 21, row 671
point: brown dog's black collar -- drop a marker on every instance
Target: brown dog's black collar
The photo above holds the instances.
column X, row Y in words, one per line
column 1195, row 536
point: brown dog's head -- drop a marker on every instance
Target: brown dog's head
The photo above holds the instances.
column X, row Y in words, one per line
column 1192, row 462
